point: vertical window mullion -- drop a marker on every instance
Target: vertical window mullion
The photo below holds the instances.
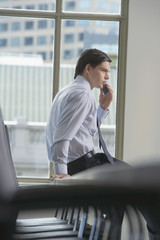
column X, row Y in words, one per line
column 57, row 45
column 121, row 80
column 56, row 64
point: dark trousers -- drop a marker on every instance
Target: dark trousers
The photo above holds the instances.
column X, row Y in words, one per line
column 151, row 214
column 84, row 163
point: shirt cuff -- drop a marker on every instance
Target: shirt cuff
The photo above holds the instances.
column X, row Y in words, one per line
column 60, row 168
column 102, row 114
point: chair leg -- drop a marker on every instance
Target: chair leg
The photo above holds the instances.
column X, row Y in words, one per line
column 93, row 228
column 83, row 222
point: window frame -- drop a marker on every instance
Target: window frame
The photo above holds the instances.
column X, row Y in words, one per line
column 58, row 15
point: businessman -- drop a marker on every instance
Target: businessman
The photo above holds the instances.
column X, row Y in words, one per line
column 73, row 121
column 73, row 118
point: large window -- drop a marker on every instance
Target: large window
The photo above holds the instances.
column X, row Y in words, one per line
column 41, row 5
column 37, row 58
column 26, row 79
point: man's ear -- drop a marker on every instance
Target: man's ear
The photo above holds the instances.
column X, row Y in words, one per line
column 87, row 68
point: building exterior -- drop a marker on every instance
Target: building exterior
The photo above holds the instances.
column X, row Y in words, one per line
column 36, row 36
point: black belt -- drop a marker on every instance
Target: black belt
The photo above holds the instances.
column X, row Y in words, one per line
column 79, row 164
column 89, row 154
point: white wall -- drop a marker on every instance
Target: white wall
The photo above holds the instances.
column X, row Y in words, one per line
column 142, row 109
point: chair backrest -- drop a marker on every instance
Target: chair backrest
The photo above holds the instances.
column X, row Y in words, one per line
column 8, row 179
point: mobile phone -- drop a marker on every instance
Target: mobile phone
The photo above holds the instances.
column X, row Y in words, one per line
column 105, row 89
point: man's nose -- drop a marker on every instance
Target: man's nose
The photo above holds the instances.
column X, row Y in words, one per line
column 106, row 76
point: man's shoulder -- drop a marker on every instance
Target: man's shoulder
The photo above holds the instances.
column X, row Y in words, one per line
column 80, row 93
column 75, row 90
column 75, row 93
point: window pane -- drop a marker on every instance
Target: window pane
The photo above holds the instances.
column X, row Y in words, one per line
column 29, row 25
column 94, row 6
column 49, row 5
column 102, row 35
column 26, row 75
column 15, row 42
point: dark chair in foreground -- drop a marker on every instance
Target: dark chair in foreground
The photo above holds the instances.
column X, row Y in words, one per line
column 92, row 192
column 64, row 224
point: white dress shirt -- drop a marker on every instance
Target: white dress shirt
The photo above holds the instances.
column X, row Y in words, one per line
column 72, row 124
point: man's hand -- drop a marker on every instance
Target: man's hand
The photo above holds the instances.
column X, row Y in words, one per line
column 59, row 176
column 105, row 100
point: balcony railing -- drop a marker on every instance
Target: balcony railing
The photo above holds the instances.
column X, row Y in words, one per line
column 27, row 141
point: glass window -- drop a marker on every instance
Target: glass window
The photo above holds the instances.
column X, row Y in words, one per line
column 69, row 23
column 70, row 5
column 102, row 5
column 29, row 25
column 16, row 26
column 52, row 24
column 53, row 7
column 101, row 37
column 30, row 6
column 43, row 55
column 51, row 39
column 17, row 7
column 26, row 72
column 114, row 7
column 80, row 50
column 96, row 6
column 43, row 6
column 3, row 27
column 83, row 23
column 51, row 55
column 41, row 40
column 3, row 42
column 80, row 36
column 48, row 5
column 42, row 24
column 84, row 5
column 26, row 78
column 28, row 41
column 68, row 54
column 69, row 38
column 15, row 42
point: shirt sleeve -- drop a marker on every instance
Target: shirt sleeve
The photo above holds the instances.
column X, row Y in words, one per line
column 72, row 117
column 102, row 114
column 60, row 155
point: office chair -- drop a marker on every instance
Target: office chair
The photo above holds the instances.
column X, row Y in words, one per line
column 50, row 226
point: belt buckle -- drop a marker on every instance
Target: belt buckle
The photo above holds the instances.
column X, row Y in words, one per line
column 89, row 154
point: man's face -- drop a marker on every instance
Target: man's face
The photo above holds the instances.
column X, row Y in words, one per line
column 99, row 75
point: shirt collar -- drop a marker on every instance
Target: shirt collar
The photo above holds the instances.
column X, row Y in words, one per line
column 83, row 82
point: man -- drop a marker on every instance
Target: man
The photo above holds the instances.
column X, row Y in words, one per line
column 73, row 122
column 73, row 118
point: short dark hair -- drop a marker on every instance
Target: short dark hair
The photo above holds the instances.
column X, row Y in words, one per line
column 91, row 56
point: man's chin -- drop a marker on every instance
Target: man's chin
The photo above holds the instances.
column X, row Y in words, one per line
column 99, row 87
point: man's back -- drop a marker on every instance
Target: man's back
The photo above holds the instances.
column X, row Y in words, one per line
column 72, row 118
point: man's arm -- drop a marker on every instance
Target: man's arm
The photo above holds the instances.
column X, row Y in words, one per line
column 60, row 160
column 104, row 101
column 72, row 118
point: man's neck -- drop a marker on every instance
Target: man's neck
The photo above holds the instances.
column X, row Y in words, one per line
column 87, row 78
